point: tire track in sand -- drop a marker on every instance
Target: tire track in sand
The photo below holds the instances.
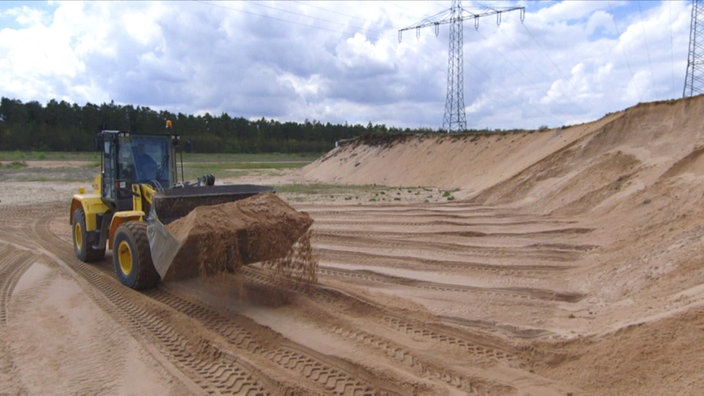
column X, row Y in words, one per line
column 201, row 355
column 259, row 342
column 13, row 264
column 480, row 351
column 215, row 367
column 193, row 356
column 345, row 302
column 514, row 292
column 356, row 258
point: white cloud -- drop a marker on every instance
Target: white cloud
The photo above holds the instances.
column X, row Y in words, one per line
column 358, row 53
column 601, row 21
column 341, row 61
column 639, row 86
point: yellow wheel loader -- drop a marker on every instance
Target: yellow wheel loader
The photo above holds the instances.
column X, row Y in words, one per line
column 135, row 195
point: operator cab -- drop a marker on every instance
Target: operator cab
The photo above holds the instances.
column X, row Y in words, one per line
column 131, row 158
column 145, row 159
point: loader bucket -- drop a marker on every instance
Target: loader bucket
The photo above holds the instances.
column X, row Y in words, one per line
column 208, row 232
column 175, row 203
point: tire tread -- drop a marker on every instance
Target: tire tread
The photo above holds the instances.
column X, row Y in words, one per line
column 146, row 276
column 87, row 253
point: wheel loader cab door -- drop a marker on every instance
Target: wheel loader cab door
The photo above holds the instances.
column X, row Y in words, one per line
column 116, row 186
column 108, row 172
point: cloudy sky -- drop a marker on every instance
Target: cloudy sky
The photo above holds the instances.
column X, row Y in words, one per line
column 341, row 61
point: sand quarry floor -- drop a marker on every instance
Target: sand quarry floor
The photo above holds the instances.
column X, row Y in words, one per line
column 565, row 262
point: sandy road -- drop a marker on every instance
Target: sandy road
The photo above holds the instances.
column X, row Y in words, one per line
column 412, row 299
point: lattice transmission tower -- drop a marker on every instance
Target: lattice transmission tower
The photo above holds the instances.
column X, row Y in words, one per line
column 454, row 118
column 694, row 80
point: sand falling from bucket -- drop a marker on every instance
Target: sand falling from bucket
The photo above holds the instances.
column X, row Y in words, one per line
column 299, row 268
column 262, row 228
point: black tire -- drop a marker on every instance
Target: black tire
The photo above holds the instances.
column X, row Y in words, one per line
column 84, row 251
column 132, row 257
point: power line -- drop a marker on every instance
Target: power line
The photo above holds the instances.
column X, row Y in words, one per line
column 645, row 39
column 623, row 52
column 316, row 26
column 335, row 23
column 310, row 5
column 672, row 46
column 455, row 118
column 545, row 52
column 694, row 80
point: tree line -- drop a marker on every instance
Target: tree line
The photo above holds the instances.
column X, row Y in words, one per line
column 63, row 126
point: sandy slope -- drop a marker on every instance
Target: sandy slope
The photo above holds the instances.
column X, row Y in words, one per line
column 636, row 178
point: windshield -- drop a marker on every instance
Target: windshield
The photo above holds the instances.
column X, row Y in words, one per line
column 145, row 159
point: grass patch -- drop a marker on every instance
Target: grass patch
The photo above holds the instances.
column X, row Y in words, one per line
column 49, row 156
column 305, row 158
column 366, row 193
column 221, row 171
column 13, row 165
column 322, row 188
column 238, row 165
column 447, row 194
column 210, row 167
column 278, row 160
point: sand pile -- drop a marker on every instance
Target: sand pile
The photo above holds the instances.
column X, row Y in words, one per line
column 568, row 170
column 221, row 238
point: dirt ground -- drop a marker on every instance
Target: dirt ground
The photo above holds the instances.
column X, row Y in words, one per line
column 567, row 261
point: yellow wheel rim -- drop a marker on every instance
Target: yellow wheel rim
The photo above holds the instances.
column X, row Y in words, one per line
column 124, row 255
column 78, row 235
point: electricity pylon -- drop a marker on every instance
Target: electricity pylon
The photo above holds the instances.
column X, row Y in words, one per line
column 694, row 80
column 455, row 118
